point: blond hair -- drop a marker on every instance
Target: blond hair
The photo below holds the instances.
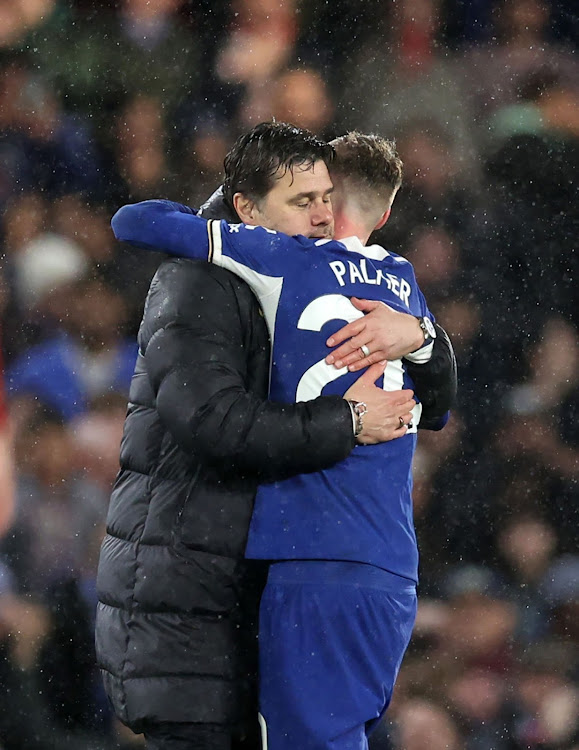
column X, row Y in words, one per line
column 368, row 161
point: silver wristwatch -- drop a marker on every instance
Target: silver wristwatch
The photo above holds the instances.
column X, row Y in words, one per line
column 358, row 408
column 428, row 329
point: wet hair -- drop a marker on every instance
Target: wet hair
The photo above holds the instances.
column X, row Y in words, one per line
column 369, row 161
column 268, row 152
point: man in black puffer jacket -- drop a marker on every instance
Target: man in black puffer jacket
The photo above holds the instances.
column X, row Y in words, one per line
column 176, row 621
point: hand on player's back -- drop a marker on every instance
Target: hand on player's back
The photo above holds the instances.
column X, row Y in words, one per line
column 387, row 333
column 386, row 409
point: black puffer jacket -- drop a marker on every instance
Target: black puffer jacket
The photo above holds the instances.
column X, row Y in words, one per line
column 172, row 638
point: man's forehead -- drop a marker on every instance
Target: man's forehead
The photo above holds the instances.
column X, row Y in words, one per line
column 304, row 178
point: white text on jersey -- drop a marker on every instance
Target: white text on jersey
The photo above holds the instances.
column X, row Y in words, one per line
column 358, row 273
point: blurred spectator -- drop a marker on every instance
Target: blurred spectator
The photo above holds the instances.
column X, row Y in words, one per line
column 545, row 104
column 45, row 147
column 437, row 192
column 88, row 226
column 527, row 545
column 478, row 699
column 24, row 219
column 141, row 149
column 400, row 73
column 19, row 17
column 495, row 72
column 85, row 356
column 6, row 456
column 44, row 266
column 259, row 43
column 481, row 623
column 15, row 170
column 29, row 717
column 547, row 701
column 436, row 257
column 420, row 724
column 541, row 429
column 202, row 156
column 60, row 513
column 96, row 436
column 137, row 48
column 296, row 95
column 301, row 96
column 554, row 370
column 560, row 587
column 533, row 212
column 483, row 373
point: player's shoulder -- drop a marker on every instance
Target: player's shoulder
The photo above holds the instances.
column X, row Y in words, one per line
column 232, row 228
column 264, row 236
column 373, row 252
column 378, row 252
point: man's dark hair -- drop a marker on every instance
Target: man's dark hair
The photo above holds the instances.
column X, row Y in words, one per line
column 368, row 160
column 266, row 153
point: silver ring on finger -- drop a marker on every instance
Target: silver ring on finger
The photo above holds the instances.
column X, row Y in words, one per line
column 365, row 351
column 401, row 422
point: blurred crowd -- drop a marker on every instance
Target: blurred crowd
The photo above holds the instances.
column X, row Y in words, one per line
column 103, row 103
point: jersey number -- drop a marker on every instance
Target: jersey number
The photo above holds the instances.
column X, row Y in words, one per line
column 337, row 307
column 319, row 312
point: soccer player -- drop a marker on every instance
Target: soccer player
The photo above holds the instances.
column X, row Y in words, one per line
column 339, row 606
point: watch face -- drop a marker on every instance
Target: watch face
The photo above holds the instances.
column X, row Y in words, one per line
column 429, row 325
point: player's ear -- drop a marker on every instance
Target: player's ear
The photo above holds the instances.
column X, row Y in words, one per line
column 245, row 208
column 384, row 219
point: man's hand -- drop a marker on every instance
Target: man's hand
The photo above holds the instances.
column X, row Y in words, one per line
column 389, row 412
column 387, row 334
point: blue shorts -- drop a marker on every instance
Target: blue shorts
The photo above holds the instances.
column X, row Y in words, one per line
column 331, row 640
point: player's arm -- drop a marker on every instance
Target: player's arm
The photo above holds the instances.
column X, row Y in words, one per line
column 435, row 381
column 162, row 226
column 175, row 229
column 432, row 368
column 253, row 253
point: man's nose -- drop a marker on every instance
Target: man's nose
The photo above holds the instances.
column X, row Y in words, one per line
column 322, row 214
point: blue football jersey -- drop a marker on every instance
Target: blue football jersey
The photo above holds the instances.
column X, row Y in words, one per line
column 360, row 509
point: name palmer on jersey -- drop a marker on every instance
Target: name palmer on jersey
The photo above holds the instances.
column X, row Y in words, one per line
column 357, row 272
